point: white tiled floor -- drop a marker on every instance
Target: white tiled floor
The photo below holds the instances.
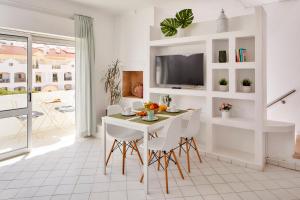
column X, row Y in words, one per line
column 75, row 172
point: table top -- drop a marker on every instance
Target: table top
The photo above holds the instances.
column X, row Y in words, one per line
column 135, row 122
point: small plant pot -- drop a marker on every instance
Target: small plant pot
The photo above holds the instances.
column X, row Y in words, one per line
column 225, row 114
column 246, row 89
column 223, row 88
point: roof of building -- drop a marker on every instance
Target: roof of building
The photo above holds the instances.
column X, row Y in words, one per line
column 50, row 53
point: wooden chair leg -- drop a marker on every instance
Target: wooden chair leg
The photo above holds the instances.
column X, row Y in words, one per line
column 180, row 146
column 124, row 157
column 137, row 151
column 197, row 150
column 177, row 164
column 166, row 172
column 111, row 150
column 149, row 159
column 188, row 155
column 131, row 151
column 158, row 162
column 142, row 178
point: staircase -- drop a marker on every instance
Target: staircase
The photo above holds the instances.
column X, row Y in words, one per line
column 280, row 139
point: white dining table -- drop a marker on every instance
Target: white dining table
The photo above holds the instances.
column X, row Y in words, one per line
column 145, row 128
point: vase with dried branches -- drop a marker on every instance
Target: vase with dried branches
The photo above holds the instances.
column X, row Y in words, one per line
column 112, row 82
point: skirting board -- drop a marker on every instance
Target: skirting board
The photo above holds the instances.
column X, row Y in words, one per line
column 234, row 161
column 291, row 164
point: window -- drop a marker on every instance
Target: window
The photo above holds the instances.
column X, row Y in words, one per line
column 68, row 76
column 35, row 64
column 20, row 77
column 38, row 77
column 68, row 87
column 37, row 89
column 4, row 77
column 54, row 77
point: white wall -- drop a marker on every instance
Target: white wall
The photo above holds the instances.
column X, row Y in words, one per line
column 55, row 18
column 283, row 63
column 283, row 42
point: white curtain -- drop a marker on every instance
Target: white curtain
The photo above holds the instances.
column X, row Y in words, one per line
column 85, row 77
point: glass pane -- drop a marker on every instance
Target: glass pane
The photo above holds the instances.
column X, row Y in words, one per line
column 13, row 72
column 53, row 86
column 13, row 133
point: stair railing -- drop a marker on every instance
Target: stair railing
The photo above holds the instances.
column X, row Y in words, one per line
column 281, row 98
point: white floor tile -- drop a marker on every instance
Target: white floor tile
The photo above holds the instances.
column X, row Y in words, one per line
column 231, row 196
column 64, row 189
column 75, row 172
column 248, row 196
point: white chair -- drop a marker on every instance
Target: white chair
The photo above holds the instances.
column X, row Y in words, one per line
column 164, row 148
column 123, row 137
column 188, row 137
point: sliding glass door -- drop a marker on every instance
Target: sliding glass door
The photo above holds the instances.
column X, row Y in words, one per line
column 15, row 93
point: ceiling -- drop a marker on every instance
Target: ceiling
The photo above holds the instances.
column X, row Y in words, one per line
column 123, row 5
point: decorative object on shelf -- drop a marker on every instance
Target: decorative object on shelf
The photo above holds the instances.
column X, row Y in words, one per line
column 167, row 100
column 137, row 90
column 223, row 85
column 169, row 27
column 246, row 85
column 112, row 82
column 183, row 19
column 241, row 55
column 222, row 22
column 222, row 56
column 225, row 110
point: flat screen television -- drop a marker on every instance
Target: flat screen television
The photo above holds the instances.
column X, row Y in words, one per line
column 180, row 69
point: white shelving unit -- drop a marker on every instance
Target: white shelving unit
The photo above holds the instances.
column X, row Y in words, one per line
column 223, row 137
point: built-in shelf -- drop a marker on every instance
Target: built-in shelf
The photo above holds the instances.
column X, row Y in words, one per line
column 247, row 43
column 242, row 74
column 234, row 95
column 199, row 38
column 234, row 154
column 242, row 65
column 178, row 41
column 186, row 92
column 219, row 74
column 220, row 45
column 233, row 139
column 235, row 122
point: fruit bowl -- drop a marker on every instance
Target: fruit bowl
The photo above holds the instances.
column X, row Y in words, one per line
column 151, row 106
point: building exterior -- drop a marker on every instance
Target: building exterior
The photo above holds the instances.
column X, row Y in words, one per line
column 53, row 68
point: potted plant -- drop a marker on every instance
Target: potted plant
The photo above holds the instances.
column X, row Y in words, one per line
column 225, row 110
column 112, row 82
column 182, row 20
column 246, row 85
column 223, row 85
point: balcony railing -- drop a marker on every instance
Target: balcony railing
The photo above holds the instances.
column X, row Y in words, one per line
column 4, row 80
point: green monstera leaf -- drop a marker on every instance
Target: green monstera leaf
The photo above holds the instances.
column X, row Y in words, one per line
column 185, row 17
column 169, row 27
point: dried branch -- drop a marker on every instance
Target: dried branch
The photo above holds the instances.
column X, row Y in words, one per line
column 112, row 82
